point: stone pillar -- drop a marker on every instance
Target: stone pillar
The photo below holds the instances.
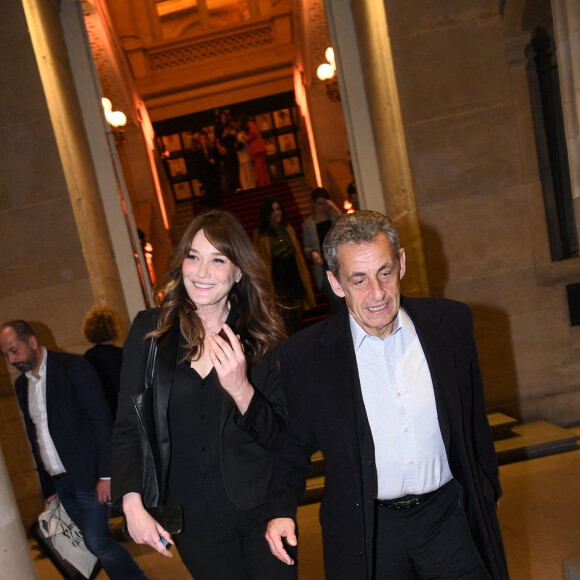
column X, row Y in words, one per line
column 370, row 100
column 15, row 558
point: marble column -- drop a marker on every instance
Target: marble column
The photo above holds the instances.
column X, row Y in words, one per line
column 369, row 94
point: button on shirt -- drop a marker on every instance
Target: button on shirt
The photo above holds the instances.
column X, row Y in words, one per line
column 399, row 400
column 37, row 407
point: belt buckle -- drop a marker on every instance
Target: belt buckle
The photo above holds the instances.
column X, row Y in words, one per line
column 405, row 504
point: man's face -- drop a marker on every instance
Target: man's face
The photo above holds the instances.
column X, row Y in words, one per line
column 370, row 280
column 22, row 355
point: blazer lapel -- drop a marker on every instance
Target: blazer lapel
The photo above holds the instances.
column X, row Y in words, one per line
column 437, row 343
column 338, row 376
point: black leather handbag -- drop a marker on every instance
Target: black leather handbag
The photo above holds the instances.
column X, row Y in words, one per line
column 169, row 516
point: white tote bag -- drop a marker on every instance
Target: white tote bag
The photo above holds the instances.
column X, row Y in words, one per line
column 66, row 538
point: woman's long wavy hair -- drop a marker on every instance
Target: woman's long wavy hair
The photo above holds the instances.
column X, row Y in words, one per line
column 258, row 324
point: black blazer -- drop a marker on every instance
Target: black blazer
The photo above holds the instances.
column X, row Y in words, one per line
column 247, row 441
column 326, row 410
column 78, row 421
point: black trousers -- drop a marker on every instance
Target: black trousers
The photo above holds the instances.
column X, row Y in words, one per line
column 430, row 541
column 230, row 547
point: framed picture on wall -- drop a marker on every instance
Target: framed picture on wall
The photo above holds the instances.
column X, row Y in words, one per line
column 287, row 142
column 182, row 190
column 172, row 143
column 264, row 122
column 291, row 166
column 196, row 188
column 177, row 167
column 271, row 147
column 188, row 139
column 282, row 118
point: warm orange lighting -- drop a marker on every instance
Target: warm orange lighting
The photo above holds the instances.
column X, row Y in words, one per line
column 149, row 134
column 148, row 252
column 302, row 103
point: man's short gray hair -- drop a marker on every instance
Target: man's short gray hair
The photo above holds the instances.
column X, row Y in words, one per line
column 360, row 227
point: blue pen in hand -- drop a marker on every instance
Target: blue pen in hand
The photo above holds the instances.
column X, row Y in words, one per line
column 165, row 543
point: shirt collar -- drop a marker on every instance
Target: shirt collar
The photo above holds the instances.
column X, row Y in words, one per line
column 402, row 323
column 41, row 370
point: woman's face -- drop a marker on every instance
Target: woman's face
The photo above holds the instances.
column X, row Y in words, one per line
column 276, row 215
column 208, row 275
column 321, row 204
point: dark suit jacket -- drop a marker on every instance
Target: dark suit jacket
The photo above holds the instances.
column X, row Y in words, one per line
column 78, row 421
column 247, row 441
column 326, row 410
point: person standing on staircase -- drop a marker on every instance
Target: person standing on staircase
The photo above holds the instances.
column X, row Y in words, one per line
column 314, row 230
column 276, row 242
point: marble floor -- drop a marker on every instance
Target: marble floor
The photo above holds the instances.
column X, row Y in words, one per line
column 539, row 516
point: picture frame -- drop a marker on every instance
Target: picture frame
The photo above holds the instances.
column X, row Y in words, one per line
column 264, row 122
column 287, row 142
column 282, row 118
column 182, row 190
column 172, row 143
column 188, row 139
column 291, row 166
column 177, row 167
column 196, row 188
column 271, row 145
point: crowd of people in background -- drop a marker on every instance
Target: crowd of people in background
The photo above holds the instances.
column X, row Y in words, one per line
column 230, row 159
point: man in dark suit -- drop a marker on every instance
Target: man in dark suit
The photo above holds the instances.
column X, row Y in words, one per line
column 390, row 391
column 69, row 428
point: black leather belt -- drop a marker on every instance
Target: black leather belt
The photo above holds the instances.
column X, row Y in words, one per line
column 407, row 501
column 59, row 475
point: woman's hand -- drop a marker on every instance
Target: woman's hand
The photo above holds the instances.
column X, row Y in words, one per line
column 142, row 527
column 230, row 364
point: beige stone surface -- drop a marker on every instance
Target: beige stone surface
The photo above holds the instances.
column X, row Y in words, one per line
column 50, row 256
column 435, row 78
column 418, row 16
column 476, row 236
column 459, row 156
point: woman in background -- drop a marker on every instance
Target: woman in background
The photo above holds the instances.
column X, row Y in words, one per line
column 257, row 148
column 100, row 327
column 276, row 242
column 219, row 408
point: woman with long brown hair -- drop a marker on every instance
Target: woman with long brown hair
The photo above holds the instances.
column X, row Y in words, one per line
column 218, row 406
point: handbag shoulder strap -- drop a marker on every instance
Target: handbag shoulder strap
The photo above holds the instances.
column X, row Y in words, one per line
column 151, row 362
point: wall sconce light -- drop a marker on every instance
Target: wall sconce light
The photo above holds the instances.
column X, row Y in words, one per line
column 326, row 72
column 116, row 119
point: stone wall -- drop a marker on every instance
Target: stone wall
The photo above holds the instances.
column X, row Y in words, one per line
column 466, row 110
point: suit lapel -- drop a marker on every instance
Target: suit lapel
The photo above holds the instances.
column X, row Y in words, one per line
column 338, row 375
column 437, row 343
